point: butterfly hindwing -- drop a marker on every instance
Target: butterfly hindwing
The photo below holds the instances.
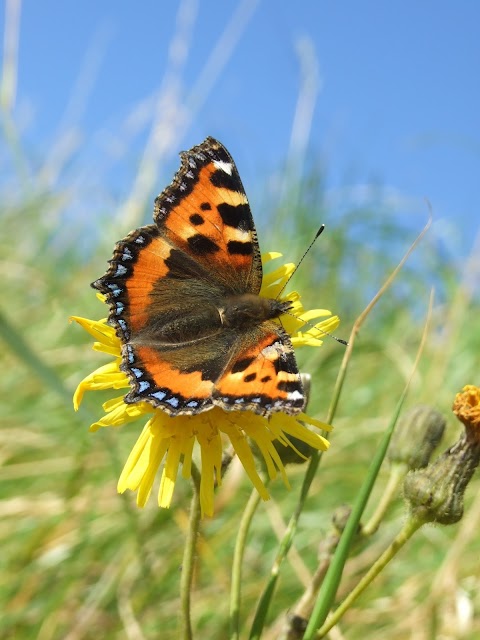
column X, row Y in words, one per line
column 263, row 377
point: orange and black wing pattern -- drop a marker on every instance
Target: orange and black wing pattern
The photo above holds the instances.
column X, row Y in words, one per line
column 168, row 284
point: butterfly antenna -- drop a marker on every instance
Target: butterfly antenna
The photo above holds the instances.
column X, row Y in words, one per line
column 312, row 326
column 305, row 323
column 319, row 232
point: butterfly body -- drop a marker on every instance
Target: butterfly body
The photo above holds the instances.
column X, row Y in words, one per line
column 184, row 299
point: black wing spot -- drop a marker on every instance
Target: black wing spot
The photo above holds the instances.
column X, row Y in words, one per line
column 241, row 365
column 237, row 216
column 290, row 364
column 224, row 180
column 196, row 219
column 210, row 369
column 205, row 206
column 181, row 267
column 289, row 386
column 265, row 379
column 250, row 378
column 200, row 244
column 237, row 248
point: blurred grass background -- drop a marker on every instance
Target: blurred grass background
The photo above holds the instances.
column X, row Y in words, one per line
column 80, row 562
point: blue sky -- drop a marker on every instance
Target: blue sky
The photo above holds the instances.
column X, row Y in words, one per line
column 382, row 92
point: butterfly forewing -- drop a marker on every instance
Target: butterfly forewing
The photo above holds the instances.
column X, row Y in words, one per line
column 205, row 213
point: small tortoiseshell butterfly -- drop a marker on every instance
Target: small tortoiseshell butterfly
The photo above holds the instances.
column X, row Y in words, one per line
column 184, row 300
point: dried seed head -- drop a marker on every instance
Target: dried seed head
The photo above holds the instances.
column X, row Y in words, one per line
column 466, row 407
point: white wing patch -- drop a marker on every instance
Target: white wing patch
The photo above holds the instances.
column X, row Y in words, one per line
column 223, row 166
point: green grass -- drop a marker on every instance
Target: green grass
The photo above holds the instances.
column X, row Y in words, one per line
column 79, row 561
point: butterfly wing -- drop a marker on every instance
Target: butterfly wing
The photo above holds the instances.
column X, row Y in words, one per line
column 205, row 213
column 263, row 375
column 202, row 247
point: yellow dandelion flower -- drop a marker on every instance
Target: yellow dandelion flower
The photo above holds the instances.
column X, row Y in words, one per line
column 171, row 440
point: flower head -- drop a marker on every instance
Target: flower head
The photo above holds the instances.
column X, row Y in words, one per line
column 172, row 440
column 466, row 407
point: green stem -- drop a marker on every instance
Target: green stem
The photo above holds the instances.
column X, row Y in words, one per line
column 235, row 592
column 285, row 544
column 397, row 475
column 188, row 563
column 409, row 528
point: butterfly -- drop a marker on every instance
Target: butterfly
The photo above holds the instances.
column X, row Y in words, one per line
column 184, row 300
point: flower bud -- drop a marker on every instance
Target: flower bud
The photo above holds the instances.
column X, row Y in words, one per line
column 417, row 434
column 435, row 493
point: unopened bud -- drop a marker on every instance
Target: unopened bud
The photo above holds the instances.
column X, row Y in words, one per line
column 416, row 436
column 435, row 493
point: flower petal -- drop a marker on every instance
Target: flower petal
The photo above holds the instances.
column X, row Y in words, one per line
column 99, row 329
column 108, row 376
column 244, row 452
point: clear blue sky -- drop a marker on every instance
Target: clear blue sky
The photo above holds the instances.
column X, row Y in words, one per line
column 396, row 99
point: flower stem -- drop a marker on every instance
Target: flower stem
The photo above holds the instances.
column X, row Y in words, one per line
column 188, row 563
column 410, row 527
column 235, row 592
column 395, row 480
